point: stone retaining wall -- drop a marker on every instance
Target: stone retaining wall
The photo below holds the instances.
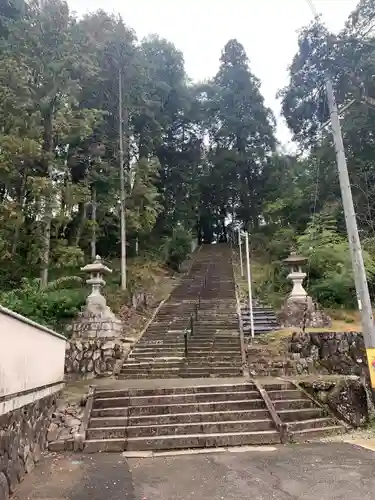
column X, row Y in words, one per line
column 330, row 352
column 340, row 353
column 23, row 437
column 65, row 424
column 95, row 357
column 344, row 396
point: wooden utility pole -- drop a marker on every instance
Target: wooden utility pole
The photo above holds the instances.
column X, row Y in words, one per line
column 359, row 271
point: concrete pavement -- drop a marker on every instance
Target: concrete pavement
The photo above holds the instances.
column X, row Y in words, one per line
column 324, row 471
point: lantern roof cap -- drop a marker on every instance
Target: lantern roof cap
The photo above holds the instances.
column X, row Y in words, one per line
column 294, row 258
column 96, row 267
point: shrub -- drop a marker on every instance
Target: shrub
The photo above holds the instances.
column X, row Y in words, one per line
column 52, row 307
column 330, row 266
column 178, row 247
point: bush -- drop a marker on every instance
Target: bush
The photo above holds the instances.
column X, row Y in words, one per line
column 52, row 307
column 178, row 247
column 330, row 266
column 334, row 289
column 275, row 243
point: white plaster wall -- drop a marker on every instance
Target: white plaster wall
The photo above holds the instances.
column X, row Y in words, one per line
column 31, row 355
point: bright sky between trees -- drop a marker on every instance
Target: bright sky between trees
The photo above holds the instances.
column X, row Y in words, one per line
column 268, row 29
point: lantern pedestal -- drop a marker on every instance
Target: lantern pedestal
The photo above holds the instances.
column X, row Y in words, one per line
column 298, row 292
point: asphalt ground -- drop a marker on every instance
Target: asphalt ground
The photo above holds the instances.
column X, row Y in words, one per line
column 317, row 471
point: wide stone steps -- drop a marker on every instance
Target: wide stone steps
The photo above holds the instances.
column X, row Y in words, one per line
column 198, row 416
column 190, row 417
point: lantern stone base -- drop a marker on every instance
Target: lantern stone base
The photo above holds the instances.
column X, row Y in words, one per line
column 103, row 324
column 90, row 358
column 300, row 311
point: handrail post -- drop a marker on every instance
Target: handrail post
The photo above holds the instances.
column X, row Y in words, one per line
column 249, row 284
column 196, row 310
column 186, row 343
column 191, row 325
column 282, row 427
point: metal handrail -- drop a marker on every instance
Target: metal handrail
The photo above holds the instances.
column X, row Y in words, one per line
column 195, row 316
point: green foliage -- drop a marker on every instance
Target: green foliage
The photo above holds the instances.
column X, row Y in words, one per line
column 143, row 204
column 52, row 306
column 195, row 156
column 302, row 203
column 330, row 268
column 178, row 247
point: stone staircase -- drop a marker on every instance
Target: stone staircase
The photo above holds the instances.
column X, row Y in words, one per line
column 182, row 385
column 265, row 319
column 200, row 416
column 195, row 333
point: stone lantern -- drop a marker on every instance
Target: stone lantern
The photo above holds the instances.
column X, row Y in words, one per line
column 96, row 301
column 97, row 320
column 296, row 275
column 299, row 309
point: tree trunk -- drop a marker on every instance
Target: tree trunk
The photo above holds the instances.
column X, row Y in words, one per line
column 46, row 237
column 82, row 222
column 21, row 201
column 93, row 220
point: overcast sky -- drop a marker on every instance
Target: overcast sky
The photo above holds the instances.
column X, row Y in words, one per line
column 200, row 28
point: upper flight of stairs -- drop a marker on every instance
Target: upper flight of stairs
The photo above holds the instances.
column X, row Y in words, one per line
column 265, row 319
column 214, row 347
column 201, row 415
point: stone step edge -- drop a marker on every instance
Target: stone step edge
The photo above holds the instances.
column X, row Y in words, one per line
column 270, row 432
column 186, row 404
column 185, row 424
column 292, row 423
column 181, row 394
column 124, row 441
column 318, row 430
column 296, row 410
column 173, row 363
column 292, row 401
column 167, row 368
column 157, row 417
column 248, row 385
column 201, row 405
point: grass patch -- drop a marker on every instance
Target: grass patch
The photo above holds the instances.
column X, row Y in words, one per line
column 337, row 327
column 150, row 276
column 263, row 282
